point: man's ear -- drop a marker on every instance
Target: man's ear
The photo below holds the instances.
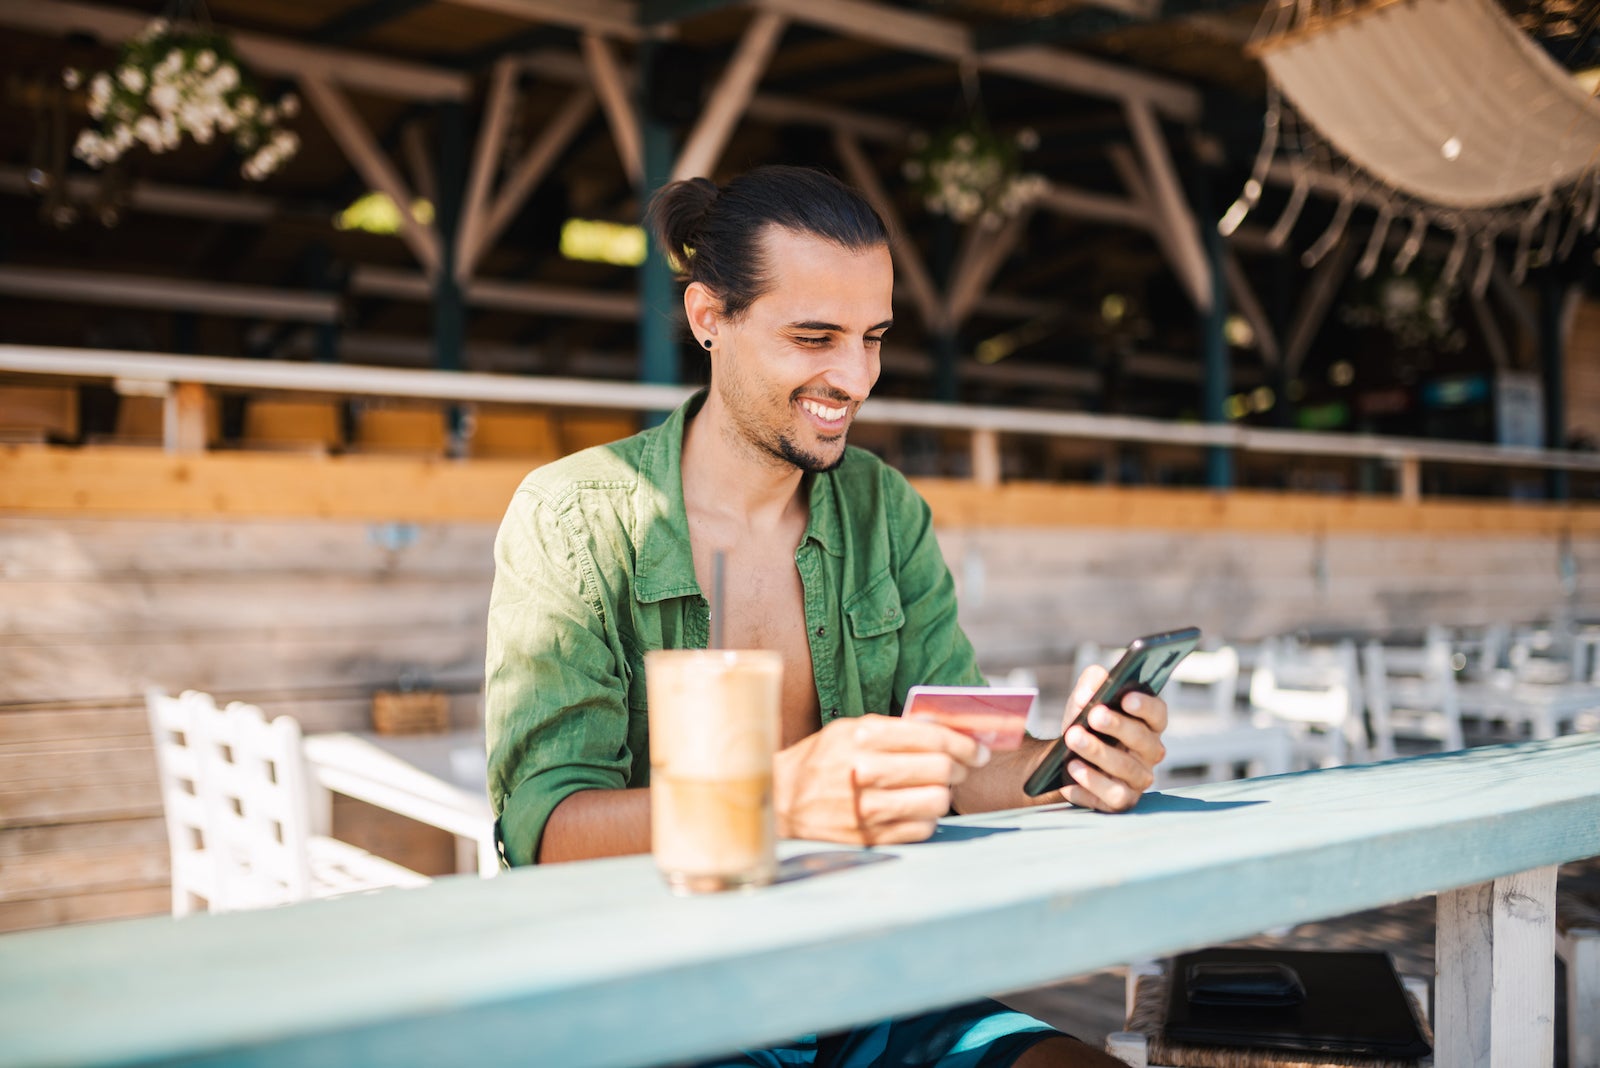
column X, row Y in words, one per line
column 704, row 312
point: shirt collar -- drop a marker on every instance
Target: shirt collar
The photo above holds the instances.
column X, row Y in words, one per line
column 665, row 566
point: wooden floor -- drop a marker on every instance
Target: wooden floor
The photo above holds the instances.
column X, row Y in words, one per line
column 1090, row 1006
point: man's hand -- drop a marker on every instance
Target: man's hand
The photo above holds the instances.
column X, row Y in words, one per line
column 1122, row 771
column 875, row 780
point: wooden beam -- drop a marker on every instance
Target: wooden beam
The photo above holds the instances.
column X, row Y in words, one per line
column 926, row 295
column 784, row 109
column 419, row 161
column 614, row 18
column 1495, row 951
column 513, row 296
column 1166, row 238
column 1315, row 304
column 612, row 85
column 265, row 55
column 1244, row 297
column 169, row 294
column 1167, row 199
column 948, row 39
column 896, row 27
column 1092, row 77
column 162, row 199
column 183, row 423
column 728, row 100
column 975, row 271
column 1095, row 207
column 531, row 169
column 485, row 163
column 986, row 458
column 363, row 152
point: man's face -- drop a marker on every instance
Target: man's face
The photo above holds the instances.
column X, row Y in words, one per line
column 796, row 366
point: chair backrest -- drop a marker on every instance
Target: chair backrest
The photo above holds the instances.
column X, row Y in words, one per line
column 1415, row 682
column 253, row 776
column 174, row 723
column 1315, row 686
column 235, row 791
column 1206, row 680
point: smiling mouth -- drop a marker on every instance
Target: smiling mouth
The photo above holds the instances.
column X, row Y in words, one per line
column 823, row 412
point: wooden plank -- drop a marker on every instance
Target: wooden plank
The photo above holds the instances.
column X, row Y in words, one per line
column 258, row 605
column 281, row 662
column 130, row 549
column 330, row 983
column 27, row 806
column 1495, row 942
column 111, row 867
column 90, row 482
column 85, row 908
column 130, row 483
column 106, row 766
column 63, row 838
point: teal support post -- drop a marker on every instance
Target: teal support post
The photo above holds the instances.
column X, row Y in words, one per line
column 449, row 311
column 1553, row 289
column 1213, row 337
column 659, row 304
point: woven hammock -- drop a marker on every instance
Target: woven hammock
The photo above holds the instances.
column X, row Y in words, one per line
column 1440, row 110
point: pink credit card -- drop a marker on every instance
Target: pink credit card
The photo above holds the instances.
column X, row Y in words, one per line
column 992, row 715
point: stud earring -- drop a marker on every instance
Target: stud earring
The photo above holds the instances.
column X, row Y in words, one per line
column 706, row 343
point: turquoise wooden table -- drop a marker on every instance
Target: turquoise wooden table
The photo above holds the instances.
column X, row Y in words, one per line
column 596, row 964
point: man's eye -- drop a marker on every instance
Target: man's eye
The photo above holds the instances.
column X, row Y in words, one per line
column 812, row 340
column 878, row 340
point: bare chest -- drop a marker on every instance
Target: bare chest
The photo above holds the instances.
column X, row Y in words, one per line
column 764, row 608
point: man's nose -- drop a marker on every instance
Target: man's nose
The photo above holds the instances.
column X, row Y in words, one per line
column 856, row 371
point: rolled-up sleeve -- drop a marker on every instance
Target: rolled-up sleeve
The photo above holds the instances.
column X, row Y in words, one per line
column 555, row 708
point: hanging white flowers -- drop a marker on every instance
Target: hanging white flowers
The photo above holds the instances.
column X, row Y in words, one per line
column 175, row 79
column 969, row 172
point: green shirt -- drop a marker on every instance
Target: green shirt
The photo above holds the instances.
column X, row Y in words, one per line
column 593, row 569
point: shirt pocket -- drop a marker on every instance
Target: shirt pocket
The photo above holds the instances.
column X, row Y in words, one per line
column 875, row 619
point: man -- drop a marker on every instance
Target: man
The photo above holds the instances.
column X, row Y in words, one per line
column 831, row 561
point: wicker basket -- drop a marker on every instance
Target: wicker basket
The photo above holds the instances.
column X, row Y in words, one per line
column 410, row 712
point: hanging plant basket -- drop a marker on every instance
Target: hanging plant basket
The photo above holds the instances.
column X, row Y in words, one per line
column 970, row 173
column 177, row 80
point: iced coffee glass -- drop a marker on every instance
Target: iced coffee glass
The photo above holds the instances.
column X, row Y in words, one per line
column 713, row 732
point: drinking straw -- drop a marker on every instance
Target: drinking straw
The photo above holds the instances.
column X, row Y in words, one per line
column 718, row 559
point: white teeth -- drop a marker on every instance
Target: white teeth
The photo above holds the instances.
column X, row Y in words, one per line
column 821, row 412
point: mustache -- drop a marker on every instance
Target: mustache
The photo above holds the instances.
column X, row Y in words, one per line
column 833, row 396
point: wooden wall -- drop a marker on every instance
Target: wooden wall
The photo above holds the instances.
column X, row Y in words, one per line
column 1583, row 373
column 310, row 615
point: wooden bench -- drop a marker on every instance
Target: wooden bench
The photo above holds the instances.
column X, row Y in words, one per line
column 597, row 964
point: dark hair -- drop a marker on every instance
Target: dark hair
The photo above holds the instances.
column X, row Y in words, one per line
column 712, row 235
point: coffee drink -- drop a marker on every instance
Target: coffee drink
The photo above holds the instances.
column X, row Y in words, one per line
column 714, row 717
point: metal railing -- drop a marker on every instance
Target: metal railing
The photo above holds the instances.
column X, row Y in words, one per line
column 182, row 380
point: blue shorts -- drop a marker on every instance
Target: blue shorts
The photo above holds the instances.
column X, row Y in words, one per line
column 981, row 1034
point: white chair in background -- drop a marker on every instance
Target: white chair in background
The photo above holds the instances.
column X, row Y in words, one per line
column 1315, row 691
column 1412, row 693
column 1204, row 727
column 1578, row 946
column 236, row 796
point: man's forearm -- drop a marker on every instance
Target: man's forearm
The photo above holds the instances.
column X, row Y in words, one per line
column 597, row 823
column 998, row 784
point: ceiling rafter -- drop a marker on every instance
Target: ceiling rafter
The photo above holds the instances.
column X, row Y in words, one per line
column 267, row 55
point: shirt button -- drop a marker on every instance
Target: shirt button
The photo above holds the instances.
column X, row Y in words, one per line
column 821, row 631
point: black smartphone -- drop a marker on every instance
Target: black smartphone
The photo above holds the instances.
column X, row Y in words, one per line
column 1144, row 668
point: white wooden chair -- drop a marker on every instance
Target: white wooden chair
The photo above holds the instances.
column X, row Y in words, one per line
column 1411, row 693
column 1578, row 946
column 236, row 796
column 1204, row 727
column 1316, row 693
